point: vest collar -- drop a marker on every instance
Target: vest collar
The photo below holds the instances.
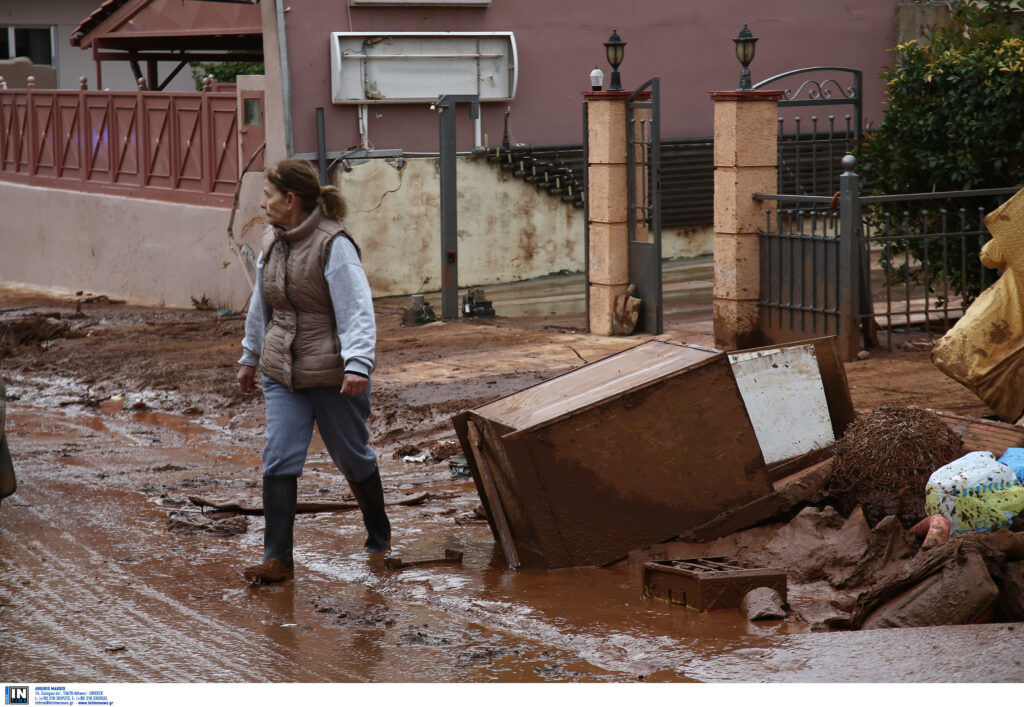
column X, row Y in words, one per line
column 303, row 229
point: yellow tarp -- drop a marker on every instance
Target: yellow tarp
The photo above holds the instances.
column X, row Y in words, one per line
column 985, row 350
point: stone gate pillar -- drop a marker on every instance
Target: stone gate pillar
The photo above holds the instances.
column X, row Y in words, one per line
column 608, row 274
column 746, row 161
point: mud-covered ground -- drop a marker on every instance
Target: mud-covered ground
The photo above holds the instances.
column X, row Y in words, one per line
column 109, row 573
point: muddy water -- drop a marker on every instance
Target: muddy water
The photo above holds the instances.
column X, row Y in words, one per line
column 95, row 587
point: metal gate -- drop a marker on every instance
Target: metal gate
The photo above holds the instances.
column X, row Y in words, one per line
column 918, row 251
column 808, row 258
column 808, row 272
column 643, row 179
column 810, row 148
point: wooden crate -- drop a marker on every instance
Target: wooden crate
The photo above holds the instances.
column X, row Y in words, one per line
column 708, row 583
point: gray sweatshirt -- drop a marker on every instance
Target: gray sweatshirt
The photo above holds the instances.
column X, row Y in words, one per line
column 353, row 311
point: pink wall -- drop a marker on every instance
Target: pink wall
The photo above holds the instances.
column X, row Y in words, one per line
column 688, row 44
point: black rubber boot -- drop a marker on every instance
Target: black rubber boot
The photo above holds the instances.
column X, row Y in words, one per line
column 369, row 495
column 279, row 499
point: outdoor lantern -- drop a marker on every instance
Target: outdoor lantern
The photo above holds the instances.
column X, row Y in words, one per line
column 614, row 49
column 596, row 79
column 745, row 42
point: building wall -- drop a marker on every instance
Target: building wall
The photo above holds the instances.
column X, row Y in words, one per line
column 167, row 254
column 688, row 45
column 72, row 62
column 138, row 249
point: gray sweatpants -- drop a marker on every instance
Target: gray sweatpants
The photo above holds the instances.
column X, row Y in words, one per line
column 341, row 420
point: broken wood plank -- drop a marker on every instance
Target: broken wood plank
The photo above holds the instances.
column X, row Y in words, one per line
column 451, row 557
column 494, row 504
column 981, row 435
column 251, row 507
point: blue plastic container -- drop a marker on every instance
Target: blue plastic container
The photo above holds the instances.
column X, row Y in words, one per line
column 1014, row 458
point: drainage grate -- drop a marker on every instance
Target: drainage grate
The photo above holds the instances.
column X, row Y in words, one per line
column 708, row 583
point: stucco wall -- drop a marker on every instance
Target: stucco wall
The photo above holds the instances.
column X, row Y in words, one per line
column 505, row 234
column 166, row 254
column 142, row 250
column 687, row 44
column 508, row 230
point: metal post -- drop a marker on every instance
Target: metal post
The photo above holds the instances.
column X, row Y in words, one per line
column 849, row 259
column 450, row 201
column 655, row 199
column 449, row 211
column 586, row 212
column 321, row 146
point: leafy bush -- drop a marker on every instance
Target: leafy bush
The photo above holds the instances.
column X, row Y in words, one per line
column 955, row 120
column 224, row 71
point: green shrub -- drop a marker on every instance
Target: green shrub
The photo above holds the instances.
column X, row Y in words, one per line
column 224, row 71
column 954, row 120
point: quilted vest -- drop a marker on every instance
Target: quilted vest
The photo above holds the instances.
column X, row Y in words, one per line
column 301, row 348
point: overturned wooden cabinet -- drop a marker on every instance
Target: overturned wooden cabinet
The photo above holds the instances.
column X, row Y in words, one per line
column 630, row 450
column 661, row 440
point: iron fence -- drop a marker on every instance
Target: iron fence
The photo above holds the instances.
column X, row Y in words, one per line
column 895, row 263
column 923, row 250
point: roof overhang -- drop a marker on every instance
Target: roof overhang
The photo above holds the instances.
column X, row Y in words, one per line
column 187, row 30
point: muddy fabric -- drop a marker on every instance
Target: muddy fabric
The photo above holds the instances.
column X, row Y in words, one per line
column 8, row 484
column 959, row 594
column 1011, row 592
column 301, row 347
column 340, row 419
column 985, row 350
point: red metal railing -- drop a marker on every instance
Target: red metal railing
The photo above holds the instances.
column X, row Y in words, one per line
column 180, row 147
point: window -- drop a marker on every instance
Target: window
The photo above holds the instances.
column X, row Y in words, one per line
column 251, row 111
column 36, row 43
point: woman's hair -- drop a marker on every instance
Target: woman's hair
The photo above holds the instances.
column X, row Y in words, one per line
column 299, row 177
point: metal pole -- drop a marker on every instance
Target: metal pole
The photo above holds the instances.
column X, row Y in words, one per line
column 849, row 259
column 286, row 81
column 450, row 200
column 586, row 215
column 321, row 146
column 449, row 211
column 655, row 166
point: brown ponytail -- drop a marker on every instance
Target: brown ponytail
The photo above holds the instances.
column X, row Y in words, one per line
column 332, row 203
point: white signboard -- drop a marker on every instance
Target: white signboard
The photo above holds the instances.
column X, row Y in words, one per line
column 417, row 67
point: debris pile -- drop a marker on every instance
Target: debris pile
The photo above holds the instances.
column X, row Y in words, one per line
column 28, row 329
column 883, row 461
column 445, row 449
column 420, row 312
column 476, row 304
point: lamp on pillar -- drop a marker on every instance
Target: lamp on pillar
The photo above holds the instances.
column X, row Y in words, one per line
column 596, row 79
column 745, row 42
column 614, row 49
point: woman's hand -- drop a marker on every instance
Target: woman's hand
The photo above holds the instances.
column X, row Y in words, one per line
column 354, row 384
column 247, row 379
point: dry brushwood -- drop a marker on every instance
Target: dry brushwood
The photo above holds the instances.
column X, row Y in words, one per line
column 885, row 458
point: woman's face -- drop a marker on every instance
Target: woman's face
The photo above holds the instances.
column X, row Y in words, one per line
column 280, row 207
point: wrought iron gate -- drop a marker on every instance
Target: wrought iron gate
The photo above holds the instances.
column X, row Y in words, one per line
column 643, row 178
column 811, row 148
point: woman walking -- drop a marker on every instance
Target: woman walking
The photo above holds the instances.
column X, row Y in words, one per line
column 311, row 334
